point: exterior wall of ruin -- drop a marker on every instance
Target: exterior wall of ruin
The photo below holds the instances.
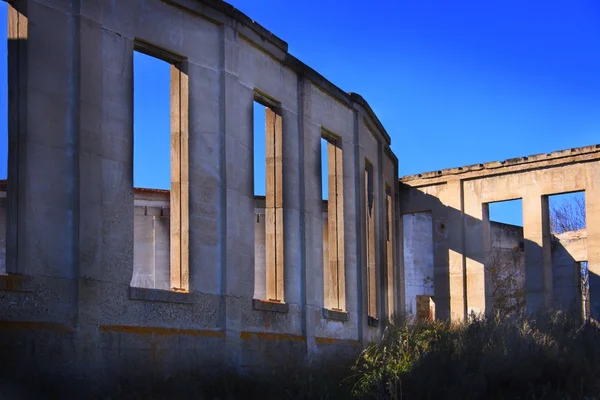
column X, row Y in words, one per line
column 418, row 258
column 72, row 213
column 569, row 249
column 458, row 198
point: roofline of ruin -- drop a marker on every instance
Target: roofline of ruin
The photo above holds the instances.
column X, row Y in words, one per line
column 277, row 48
column 579, row 154
column 3, row 183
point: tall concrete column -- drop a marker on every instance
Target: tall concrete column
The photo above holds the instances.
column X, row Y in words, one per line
column 592, row 210
column 538, row 257
column 313, row 216
column 453, row 199
column 238, row 272
column 476, row 221
column 43, row 148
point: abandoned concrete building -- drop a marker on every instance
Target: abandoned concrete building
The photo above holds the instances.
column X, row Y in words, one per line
column 101, row 279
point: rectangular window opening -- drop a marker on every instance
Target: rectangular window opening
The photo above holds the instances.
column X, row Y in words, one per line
column 333, row 230
column 567, row 212
column 160, row 171
column 3, row 133
column 370, row 217
column 506, row 264
column 259, row 187
column 418, row 260
column 568, row 236
column 268, row 192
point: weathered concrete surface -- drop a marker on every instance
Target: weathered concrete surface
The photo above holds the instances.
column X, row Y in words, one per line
column 84, row 294
column 569, row 249
column 90, row 296
column 418, row 258
column 458, row 198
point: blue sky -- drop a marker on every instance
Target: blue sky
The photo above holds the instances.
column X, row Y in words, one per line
column 454, row 82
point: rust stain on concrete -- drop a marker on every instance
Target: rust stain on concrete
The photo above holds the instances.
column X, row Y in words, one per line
column 36, row 326
column 324, row 340
column 155, row 330
column 271, row 336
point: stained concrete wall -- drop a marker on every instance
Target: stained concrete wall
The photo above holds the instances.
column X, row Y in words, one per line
column 418, row 258
column 568, row 250
column 507, row 263
column 458, row 201
column 507, row 260
column 72, row 217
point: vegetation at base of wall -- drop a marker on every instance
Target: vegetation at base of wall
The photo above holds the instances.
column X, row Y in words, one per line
column 549, row 356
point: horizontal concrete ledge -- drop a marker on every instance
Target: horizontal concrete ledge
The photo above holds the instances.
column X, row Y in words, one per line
column 14, row 283
column 36, row 326
column 335, row 315
column 283, row 337
column 580, row 154
column 160, row 331
column 372, row 321
column 164, row 296
column 331, row 341
column 265, row 305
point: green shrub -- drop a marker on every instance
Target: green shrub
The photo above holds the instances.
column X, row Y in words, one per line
column 550, row 356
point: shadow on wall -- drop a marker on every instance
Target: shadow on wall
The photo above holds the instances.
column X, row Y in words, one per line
column 475, row 250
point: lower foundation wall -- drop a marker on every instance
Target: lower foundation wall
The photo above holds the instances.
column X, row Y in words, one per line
column 57, row 359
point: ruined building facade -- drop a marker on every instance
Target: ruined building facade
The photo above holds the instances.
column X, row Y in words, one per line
column 103, row 280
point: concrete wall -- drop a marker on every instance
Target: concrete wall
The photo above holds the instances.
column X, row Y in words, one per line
column 84, row 283
column 568, row 250
column 458, row 198
column 418, row 258
column 84, row 259
column 507, row 263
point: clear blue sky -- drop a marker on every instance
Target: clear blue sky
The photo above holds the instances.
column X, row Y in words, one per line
column 454, row 82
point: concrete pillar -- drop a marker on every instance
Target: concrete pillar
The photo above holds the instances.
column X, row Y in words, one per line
column 314, row 232
column 441, row 282
column 235, row 108
column 43, row 139
column 179, row 194
column 592, row 210
column 476, row 219
column 292, row 205
column 206, row 198
column 274, row 206
column 453, row 199
column 538, row 257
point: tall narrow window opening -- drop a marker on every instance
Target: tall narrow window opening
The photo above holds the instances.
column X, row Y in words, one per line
column 333, row 235
column 268, row 179
column 259, row 187
column 568, row 233
column 370, row 216
column 505, row 268
column 160, row 170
